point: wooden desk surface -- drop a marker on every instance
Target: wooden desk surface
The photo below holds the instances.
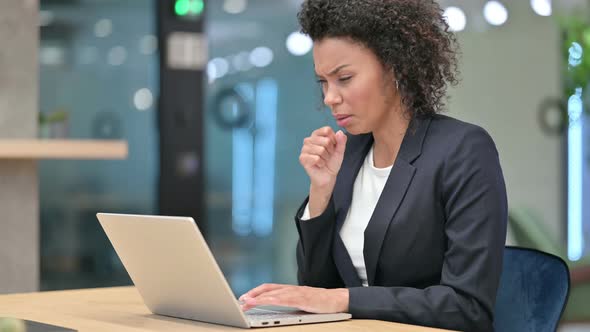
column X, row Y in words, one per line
column 121, row 309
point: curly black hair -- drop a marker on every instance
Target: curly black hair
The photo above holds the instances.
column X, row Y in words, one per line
column 410, row 37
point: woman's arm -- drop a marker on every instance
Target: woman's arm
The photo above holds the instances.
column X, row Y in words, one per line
column 315, row 263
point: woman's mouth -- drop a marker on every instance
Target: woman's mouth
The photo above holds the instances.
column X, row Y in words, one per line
column 343, row 120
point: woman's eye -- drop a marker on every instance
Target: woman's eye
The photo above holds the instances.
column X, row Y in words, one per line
column 344, row 79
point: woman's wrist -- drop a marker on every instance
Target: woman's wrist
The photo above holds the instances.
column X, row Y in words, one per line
column 319, row 198
column 341, row 299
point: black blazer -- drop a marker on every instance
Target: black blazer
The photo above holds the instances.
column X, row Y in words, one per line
column 434, row 244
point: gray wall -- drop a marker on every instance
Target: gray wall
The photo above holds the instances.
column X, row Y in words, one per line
column 507, row 72
column 19, row 205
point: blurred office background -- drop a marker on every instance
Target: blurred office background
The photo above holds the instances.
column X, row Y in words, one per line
column 99, row 62
column 525, row 76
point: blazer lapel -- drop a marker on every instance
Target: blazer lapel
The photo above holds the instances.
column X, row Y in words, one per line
column 342, row 197
column 393, row 193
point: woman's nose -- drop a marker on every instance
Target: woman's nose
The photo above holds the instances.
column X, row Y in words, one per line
column 332, row 97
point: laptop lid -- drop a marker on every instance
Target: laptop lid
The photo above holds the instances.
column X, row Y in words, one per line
column 172, row 267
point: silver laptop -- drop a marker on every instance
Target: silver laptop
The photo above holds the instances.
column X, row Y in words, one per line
column 174, row 271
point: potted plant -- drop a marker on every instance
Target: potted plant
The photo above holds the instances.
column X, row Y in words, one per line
column 54, row 124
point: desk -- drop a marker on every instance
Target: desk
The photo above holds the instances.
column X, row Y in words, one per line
column 121, row 309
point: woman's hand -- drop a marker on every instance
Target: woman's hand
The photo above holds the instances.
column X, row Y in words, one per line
column 310, row 299
column 321, row 157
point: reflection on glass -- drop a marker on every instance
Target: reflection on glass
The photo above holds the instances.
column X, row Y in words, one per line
column 264, row 156
column 242, row 169
column 99, row 67
column 254, row 182
column 575, row 162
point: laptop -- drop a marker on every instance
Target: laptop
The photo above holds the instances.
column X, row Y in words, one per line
column 175, row 273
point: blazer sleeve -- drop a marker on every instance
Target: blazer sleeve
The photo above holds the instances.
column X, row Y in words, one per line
column 475, row 206
column 316, row 267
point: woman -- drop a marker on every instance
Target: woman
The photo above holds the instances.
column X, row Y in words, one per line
column 406, row 215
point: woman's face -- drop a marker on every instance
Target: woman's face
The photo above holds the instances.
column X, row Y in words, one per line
column 356, row 87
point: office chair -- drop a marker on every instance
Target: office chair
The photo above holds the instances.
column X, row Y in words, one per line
column 533, row 291
column 528, row 230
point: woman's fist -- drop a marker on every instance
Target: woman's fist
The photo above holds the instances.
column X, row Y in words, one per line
column 321, row 156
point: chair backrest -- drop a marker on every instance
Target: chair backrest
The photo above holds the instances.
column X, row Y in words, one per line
column 533, row 291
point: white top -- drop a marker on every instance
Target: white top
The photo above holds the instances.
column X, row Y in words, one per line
column 368, row 186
